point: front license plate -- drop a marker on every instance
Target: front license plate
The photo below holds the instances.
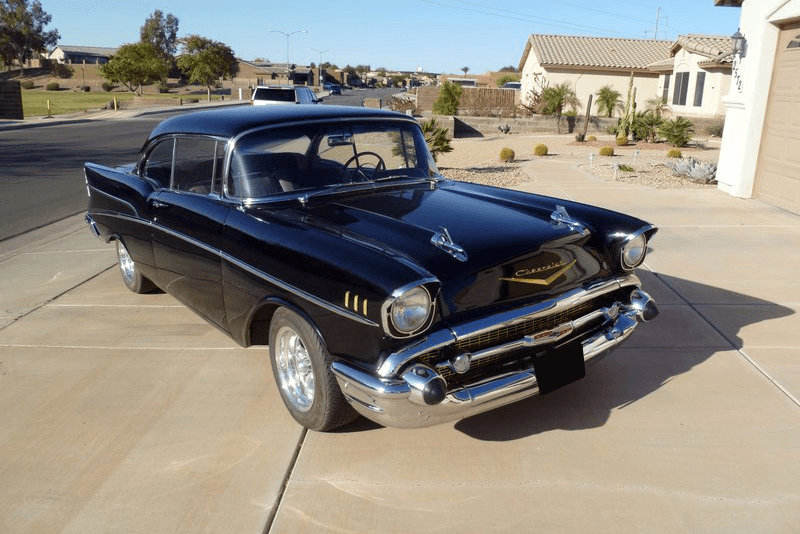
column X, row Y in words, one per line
column 559, row 367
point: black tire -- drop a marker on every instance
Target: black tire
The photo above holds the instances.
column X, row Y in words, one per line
column 302, row 368
column 131, row 275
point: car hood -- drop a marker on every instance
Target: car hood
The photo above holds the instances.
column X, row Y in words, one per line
column 484, row 245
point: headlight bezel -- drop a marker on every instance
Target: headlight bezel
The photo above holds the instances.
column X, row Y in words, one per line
column 428, row 289
column 631, row 242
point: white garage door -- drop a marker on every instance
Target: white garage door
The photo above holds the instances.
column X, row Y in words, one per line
column 778, row 173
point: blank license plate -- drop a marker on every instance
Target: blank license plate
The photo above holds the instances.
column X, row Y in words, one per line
column 559, row 367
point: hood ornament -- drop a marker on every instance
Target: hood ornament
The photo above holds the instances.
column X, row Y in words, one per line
column 443, row 241
column 560, row 216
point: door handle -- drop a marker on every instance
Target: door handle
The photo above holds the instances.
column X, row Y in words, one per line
column 158, row 204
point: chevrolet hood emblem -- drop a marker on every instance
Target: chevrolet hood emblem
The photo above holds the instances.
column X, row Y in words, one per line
column 542, row 281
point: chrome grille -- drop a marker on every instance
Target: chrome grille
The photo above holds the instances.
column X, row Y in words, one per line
column 511, row 333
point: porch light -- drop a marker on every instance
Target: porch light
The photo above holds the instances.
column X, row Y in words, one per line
column 739, row 42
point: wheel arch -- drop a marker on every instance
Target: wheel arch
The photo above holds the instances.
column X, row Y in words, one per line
column 257, row 329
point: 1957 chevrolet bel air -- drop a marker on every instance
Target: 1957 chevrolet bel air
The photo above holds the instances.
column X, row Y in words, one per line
column 380, row 287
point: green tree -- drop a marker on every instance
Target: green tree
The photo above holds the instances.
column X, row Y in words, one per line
column 556, row 98
column 205, row 61
column 162, row 33
column 134, row 65
column 22, row 31
column 608, row 100
column 507, row 78
column 449, row 99
column 658, row 105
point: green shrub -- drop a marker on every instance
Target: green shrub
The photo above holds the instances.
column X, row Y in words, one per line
column 507, row 155
column 540, row 149
column 606, row 151
column 449, row 99
column 622, row 140
column 626, row 168
column 107, row 87
column 436, row 138
column 677, row 131
column 674, row 153
column 53, row 86
column 27, row 84
column 591, row 138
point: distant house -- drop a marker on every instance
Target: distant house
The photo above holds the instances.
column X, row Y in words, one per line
column 79, row 54
column 589, row 63
column 696, row 75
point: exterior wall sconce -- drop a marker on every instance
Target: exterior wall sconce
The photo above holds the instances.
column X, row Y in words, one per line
column 739, row 42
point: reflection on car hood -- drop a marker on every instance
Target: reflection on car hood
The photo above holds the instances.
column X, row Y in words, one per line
column 511, row 249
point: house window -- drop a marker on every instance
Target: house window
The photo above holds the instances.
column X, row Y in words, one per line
column 794, row 43
column 665, row 94
column 698, row 89
column 681, row 88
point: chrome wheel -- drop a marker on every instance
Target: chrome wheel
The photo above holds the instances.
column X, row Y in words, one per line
column 126, row 265
column 295, row 371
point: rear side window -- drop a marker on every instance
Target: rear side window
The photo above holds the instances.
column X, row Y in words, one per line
column 195, row 165
column 158, row 166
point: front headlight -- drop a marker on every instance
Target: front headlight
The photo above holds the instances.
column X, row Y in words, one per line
column 633, row 251
column 411, row 310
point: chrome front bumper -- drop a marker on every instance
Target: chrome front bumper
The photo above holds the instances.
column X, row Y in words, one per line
column 407, row 393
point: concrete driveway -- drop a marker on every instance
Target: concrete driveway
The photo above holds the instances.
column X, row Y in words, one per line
column 127, row 413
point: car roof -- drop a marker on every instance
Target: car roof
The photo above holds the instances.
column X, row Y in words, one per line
column 233, row 120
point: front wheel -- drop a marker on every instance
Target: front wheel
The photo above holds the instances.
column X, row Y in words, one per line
column 131, row 274
column 302, row 368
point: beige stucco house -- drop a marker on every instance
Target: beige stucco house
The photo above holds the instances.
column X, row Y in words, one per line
column 696, row 75
column 692, row 73
column 760, row 155
column 589, row 63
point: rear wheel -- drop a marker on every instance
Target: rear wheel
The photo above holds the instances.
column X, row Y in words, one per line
column 302, row 368
column 130, row 271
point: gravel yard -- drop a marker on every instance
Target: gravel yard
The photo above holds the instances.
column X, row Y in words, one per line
column 648, row 161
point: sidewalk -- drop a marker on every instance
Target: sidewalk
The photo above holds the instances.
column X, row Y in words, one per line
column 127, row 413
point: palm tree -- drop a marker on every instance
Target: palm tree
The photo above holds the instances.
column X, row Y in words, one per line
column 465, row 70
column 607, row 100
column 658, row 105
column 556, row 98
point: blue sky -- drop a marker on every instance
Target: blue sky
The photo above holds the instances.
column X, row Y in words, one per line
column 436, row 35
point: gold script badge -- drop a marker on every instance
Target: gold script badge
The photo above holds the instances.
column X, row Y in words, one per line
column 541, row 281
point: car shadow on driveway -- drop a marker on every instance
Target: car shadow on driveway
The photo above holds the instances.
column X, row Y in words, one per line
column 658, row 353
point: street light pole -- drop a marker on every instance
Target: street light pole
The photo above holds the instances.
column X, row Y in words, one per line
column 289, row 34
column 320, row 54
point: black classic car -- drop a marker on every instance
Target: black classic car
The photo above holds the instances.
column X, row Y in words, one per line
column 380, row 287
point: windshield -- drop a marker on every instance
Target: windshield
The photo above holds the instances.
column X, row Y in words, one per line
column 309, row 157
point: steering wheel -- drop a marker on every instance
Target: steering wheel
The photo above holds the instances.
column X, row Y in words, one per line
column 379, row 166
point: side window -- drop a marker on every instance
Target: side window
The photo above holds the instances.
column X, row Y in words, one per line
column 194, row 165
column 158, row 166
